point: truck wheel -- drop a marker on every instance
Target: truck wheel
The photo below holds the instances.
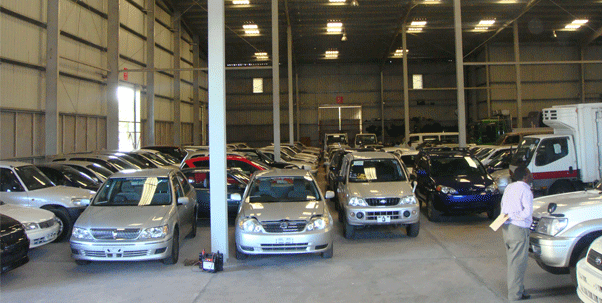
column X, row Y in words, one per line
column 431, row 213
column 64, row 223
column 413, row 229
column 561, row 187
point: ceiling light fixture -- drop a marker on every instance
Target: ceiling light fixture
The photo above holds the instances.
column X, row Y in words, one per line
column 481, row 28
column 344, row 38
column 355, row 3
column 331, row 54
column 418, row 23
column 414, row 29
column 576, row 24
column 399, row 52
column 251, row 29
column 240, row 2
column 334, row 27
column 336, row 1
column 487, row 22
column 432, row 1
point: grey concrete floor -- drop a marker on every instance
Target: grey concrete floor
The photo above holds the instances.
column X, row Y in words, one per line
column 457, row 260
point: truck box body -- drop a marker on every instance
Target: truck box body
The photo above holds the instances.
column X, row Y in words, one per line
column 584, row 123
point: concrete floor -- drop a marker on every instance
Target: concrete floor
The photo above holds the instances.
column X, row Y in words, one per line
column 457, row 260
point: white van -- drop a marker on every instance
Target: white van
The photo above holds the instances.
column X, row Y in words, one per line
column 444, row 138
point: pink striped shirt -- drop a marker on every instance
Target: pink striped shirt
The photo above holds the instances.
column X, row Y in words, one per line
column 517, row 202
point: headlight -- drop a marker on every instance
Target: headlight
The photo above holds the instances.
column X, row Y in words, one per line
column 317, row 223
column 30, row 225
column 154, row 232
column 81, row 233
column 355, row 201
column 408, row 200
column 551, row 225
column 80, row 201
column 491, row 188
column 250, row 225
column 446, row 190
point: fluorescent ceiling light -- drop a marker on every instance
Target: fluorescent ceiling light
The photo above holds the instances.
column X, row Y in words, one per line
column 418, row 23
column 432, row 1
column 399, row 52
column 252, row 32
column 572, row 26
column 481, row 28
column 331, row 54
column 240, row 2
column 334, row 24
column 486, row 22
column 580, row 21
column 415, row 29
column 337, row 1
column 249, row 26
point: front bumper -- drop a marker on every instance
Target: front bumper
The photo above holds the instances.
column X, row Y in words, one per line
column 589, row 282
column 284, row 243
column 552, row 251
column 466, row 203
column 121, row 250
column 382, row 215
column 39, row 237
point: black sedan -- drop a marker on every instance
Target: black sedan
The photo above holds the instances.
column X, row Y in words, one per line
column 61, row 174
column 14, row 242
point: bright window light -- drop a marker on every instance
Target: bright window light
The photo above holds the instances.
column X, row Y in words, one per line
column 240, row 2
column 417, row 81
column 262, row 56
column 257, row 85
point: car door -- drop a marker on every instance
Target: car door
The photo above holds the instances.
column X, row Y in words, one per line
column 12, row 190
column 422, row 178
column 190, row 193
column 342, row 192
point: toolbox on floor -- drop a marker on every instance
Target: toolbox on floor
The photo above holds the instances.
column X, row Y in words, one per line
column 211, row 262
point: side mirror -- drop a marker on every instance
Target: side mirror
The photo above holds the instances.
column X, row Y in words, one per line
column 329, row 194
column 183, row 200
column 235, row 197
column 414, row 184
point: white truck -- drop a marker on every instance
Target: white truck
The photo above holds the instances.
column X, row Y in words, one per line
column 569, row 158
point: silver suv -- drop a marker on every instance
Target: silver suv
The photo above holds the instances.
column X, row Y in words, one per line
column 374, row 189
column 564, row 226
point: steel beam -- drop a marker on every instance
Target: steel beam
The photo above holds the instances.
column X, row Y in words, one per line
column 460, row 73
column 406, row 93
column 52, row 77
column 196, row 123
column 276, row 80
column 177, row 35
column 289, row 40
column 149, row 135
column 519, row 93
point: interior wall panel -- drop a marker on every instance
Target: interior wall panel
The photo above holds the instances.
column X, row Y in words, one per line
column 22, row 88
column 81, row 22
column 7, row 134
column 27, row 41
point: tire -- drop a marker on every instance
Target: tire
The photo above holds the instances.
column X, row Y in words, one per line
column 494, row 212
column 65, row 223
column 240, row 255
column 175, row 249
column 192, row 233
column 573, row 268
column 413, row 229
column 82, row 262
column 327, row 254
column 561, row 187
column 431, row 213
column 341, row 215
column 349, row 231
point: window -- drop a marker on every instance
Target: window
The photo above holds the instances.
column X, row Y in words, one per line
column 9, row 183
column 257, row 85
column 129, row 118
column 417, row 81
column 551, row 150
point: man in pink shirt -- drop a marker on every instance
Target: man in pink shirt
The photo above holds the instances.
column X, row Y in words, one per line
column 517, row 203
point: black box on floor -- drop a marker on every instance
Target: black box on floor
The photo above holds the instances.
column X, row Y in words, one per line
column 211, row 262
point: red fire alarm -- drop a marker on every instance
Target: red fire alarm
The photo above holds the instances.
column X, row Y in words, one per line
column 125, row 74
column 339, row 99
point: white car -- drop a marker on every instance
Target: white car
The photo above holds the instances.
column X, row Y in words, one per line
column 374, row 189
column 25, row 185
column 41, row 226
column 589, row 274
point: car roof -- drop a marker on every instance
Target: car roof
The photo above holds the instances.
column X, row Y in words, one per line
column 358, row 155
column 13, row 163
column 446, row 152
column 137, row 173
column 282, row 172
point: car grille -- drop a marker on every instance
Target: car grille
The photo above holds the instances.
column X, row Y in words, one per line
column 372, row 215
column 382, row 201
column 534, row 224
column 285, row 247
column 47, row 224
column 284, row 226
column 115, row 234
column 592, row 256
column 124, row 254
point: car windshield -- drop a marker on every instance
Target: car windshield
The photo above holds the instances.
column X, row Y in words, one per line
column 336, row 139
column 456, row 166
column 524, row 152
column 365, row 139
column 376, row 170
column 283, row 189
column 137, row 191
column 33, row 178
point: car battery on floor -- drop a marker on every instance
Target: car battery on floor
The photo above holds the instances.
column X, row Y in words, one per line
column 211, row 262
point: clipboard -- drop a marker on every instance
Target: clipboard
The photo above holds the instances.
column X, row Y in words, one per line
column 495, row 225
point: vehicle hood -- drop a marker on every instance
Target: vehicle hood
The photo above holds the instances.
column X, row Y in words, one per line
column 464, row 182
column 275, row 211
column 62, row 195
column 124, row 216
column 583, row 205
column 379, row 189
column 26, row 214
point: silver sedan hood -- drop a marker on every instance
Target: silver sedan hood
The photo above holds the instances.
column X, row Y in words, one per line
column 123, row 216
column 379, row 189
column 275, row 211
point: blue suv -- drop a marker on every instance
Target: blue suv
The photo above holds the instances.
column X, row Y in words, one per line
column 452, row 181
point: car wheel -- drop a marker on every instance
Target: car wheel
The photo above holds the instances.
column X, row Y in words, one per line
column 494, row 212
column 193, row 231
column 349, row 230
column 413, row 229
column 573, row 268
column 341, row 215
column 327, row 254
column 64, row 223
column 431, row 213
column 82, row 262
column 240, row 255
column 175, row 249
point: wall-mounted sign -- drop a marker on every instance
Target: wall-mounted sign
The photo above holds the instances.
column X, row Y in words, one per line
column 339, row 99
column 125, row 75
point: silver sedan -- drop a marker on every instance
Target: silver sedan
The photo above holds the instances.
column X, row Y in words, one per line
column 283, row 211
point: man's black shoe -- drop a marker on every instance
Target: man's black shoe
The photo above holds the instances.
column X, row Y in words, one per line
column 525, row 297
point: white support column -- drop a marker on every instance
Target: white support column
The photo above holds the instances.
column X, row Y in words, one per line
column 519, row 93
column 276, row 79
column 382, row 108
column 196, row 123
column 298, row 101
column 149, row 135
column 487, row 81
column 289, row 40
column 113, row 75
column 52, row 77
column 406, row 94
column 217, row 124
column 460, row 73
column 177, row 40
column 582, row 73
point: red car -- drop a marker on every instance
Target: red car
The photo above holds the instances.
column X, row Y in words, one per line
column 237, row 162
